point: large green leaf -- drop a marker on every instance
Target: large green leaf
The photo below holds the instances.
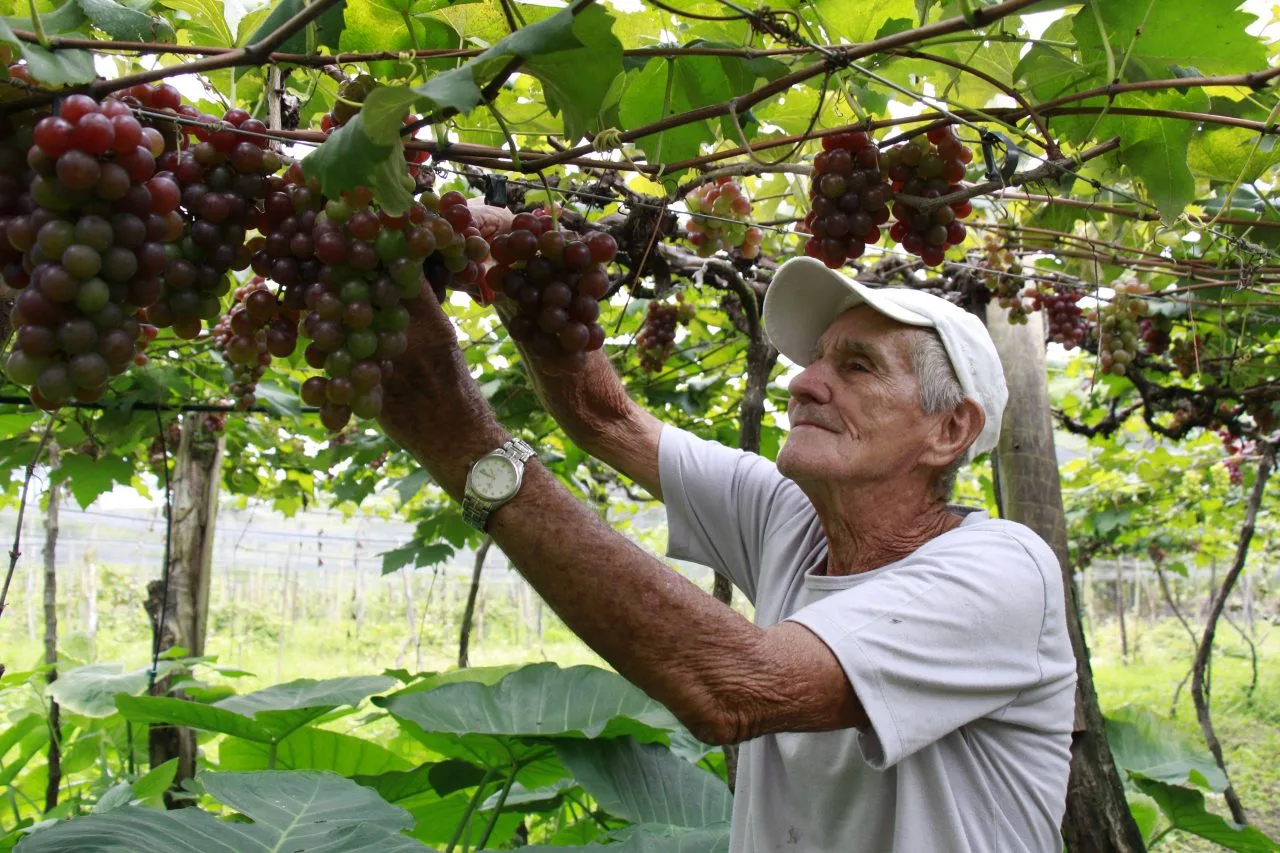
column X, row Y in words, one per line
column 663, row 89
column 293, row 811
column 540, row 700
column 577, row 96
column 165, row 710
column 1230, row 154
column 307, row 693
column 312, row 749
column 646, row 783
column 206, row 20
column 1160, row 37
column 1144, row 743
column 1184, row 808
column 860, row 20
column 91, row 690
column 90, row 478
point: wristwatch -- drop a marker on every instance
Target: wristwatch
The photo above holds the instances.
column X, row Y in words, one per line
column 493, row 480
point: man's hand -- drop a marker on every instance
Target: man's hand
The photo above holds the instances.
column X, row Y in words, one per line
column 491, row 220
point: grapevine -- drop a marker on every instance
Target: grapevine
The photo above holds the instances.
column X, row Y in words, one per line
column 929, row 166
column 1002, row 272
column 1063, row 318
column 711, row 206
column 555, row 280
column 849, row 198
column 256, row 328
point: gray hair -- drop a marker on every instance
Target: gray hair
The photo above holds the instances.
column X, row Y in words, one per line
column 940, row 391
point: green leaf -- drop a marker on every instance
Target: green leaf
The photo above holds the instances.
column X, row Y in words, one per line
column 1142, row 742
column 167, row 710
column 857, row 21
column 1184, row 808
column 576, row 96
column 381, row 25
column 1209, row 34
column 410, row 484
column 325, row 30
column 206, row 18
column 91, row 690
column 313, row 749
column 1229, row 154
column 646, row 783
column 349, row 159
column 540, row 700
column 151, row 786
column 282, row 708
column 126, row 24
column 1155, row 149
column 66, row 18
column 90, row 478
column 397, row 786
column 59, row 67
column 663, row 89
column 298, row 810
column 277, row 399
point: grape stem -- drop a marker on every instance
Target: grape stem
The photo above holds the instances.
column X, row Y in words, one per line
column 38, row 24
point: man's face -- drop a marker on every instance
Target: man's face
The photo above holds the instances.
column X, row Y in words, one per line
column 855, row 410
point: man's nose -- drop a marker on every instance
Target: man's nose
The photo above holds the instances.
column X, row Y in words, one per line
column 810, row 386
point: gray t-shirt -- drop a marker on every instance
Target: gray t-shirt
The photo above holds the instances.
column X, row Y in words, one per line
column 959, row 654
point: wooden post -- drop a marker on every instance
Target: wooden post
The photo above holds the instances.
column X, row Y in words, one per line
column 195, row 478
column 1097, row 818
column 54, row 779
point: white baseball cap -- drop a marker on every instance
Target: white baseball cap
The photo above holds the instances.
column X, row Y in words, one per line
column 806, row 297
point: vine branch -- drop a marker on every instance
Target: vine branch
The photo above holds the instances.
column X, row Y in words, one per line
column 16, row 551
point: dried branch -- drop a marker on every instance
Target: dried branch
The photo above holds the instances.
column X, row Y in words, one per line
column 1198, row 694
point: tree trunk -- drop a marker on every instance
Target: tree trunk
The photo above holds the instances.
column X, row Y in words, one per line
column 464, row 636
column 1097, row 817
column 54, row 781
column 196, row 474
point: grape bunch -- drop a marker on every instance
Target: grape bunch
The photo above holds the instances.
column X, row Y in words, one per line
column 928, row 166
column 350, row 100
column 256, row 328
column 223, row 180
column 1117, row 323
column 15, row 201
column 1154, row 332
column 719, row 220
column 1063, row 318
column 555, row 279
column 1233, row 447
column 370, row 264
column 657, row 336
column 1002, row 273
column 285, row 250
column 1186, row 354
column 98, row 235
column 849, row 199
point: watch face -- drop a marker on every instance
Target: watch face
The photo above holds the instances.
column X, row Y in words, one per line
column 494, row 478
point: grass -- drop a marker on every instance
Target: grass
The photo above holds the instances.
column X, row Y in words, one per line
column 316, row 646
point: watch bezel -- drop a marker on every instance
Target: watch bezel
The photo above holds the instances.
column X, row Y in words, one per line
column 493, row 458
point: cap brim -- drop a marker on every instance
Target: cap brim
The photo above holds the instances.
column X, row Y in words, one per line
column 806, row 296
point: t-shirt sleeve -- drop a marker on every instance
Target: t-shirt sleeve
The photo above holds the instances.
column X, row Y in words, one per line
column 719, row 502
column 949, row 637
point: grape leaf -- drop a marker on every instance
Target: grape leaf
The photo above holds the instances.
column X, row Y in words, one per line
column 59, row 67
column 662, row 89
column 206, row 20
column 349, row 159
column 379, row 25
column 576, row 96
column 326, row 29
column 1228, row 154
column 89, row 478
column 65, row 19
column 121, row 22
column 1160, row 37
column 857, row 21
column 1155, row 149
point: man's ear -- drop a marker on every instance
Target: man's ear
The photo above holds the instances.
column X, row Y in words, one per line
column 955, row 432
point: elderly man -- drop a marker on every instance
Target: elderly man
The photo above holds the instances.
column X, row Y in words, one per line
column 908, row 683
